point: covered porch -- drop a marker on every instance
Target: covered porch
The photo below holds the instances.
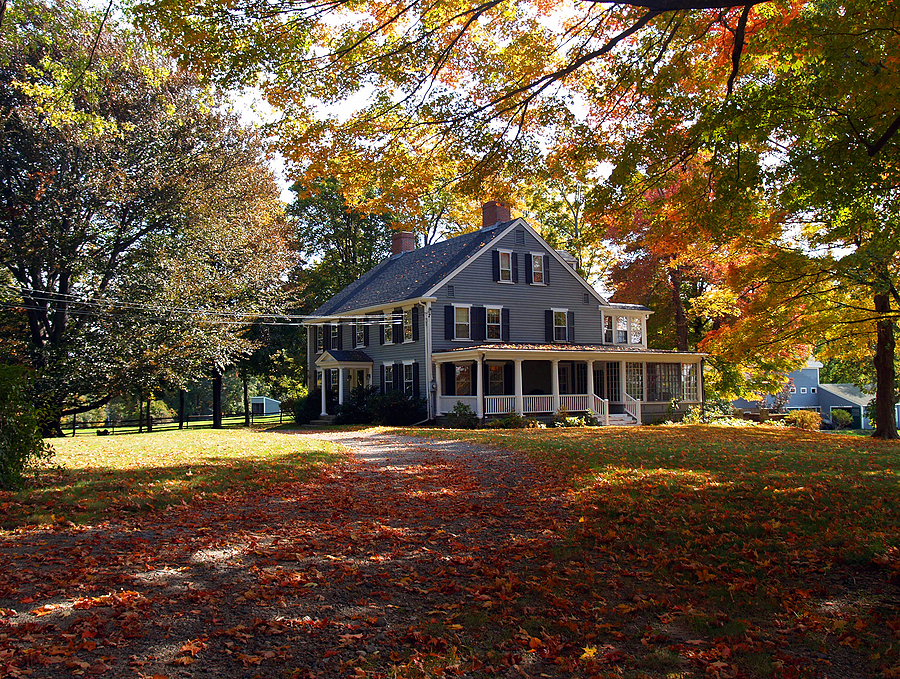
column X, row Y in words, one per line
column 543, row 380
column 341, row 371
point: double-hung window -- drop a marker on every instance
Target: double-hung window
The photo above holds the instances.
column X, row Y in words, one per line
column 537, row 269
column 506, row 274
column 408, row 385
column 335, row 332
column 388, row 377
column 637, row 335
column 360, row 333
column 621, row 329
column 608, row 329
column 493, row 330
column 320, row 338
column 560, row 325
column 408, row 325
column 463, row 379
column 462, row 326
column 496, row 386
column 388, row 328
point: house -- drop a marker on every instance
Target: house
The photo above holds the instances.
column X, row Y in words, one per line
column 806, row 392
column 500, row 321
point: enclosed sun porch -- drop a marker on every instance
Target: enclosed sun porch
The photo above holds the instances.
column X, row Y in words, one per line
column 634, row 387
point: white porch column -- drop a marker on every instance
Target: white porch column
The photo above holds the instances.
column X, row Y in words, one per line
column 479, row 390
column 554, row 381
column 520, row 400
column 324, row 411
column 438, row 369
column 622, row 379
column 590, row 384
column 341, row 386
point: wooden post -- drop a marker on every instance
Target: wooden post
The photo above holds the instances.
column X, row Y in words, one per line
column 140, row 414
column 149, row 416
column 217, row 399
column 181, row 408
column 73, row 424
column 247, row 420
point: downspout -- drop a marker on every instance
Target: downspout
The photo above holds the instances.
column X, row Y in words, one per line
column 429, row 367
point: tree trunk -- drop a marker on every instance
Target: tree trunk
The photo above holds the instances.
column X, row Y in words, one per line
column 681, row 326
column 181, row 408
column 149, row 416
column 140, row 413
column 885, row 378
column 246, row 400
column 217, row 400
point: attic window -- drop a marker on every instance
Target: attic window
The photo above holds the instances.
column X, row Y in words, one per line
column 451, row 291
column 520, row 237
column 586, row 298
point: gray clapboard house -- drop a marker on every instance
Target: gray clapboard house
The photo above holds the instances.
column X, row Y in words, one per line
column 500, row 321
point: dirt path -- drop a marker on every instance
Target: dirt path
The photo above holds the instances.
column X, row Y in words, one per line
column 397, row 563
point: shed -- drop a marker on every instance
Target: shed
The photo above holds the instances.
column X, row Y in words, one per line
column 263, row 405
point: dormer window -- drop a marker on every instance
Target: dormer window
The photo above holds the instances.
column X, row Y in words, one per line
column 608, row 329
column 621, row 329
column 637, row 333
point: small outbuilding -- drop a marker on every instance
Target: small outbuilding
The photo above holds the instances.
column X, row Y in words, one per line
column 263, row 405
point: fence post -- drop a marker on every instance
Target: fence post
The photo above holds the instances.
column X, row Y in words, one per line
column 73, row 424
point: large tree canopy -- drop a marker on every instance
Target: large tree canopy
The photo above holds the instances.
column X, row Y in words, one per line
column 137, row 221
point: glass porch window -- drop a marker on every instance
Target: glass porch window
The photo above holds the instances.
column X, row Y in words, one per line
column 689, row 382
column 464, row 380
column 634, row 380
column 663, row 381
column 613, row 383
column 495, row 380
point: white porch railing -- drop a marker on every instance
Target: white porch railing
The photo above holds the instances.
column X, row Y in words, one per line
column 499, row 405
column 538, row 404
column 448, row 403
column 633, row 408
column 574, row 403
column 601, row 408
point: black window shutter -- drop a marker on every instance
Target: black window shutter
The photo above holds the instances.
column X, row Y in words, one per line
column 366, row 335
column 479, row 323
column 383, row 389
column 449, row 379
column 417, row 390
column 326, row 337
column 381, row 331
column 340, row 329
column 529, row 269
column 547, row 269
column 415, row 322
column 448, row 322
column 399, row 376
column 548, row 325
column 398, row 326
column 508, row 387
column 515, row 267
column 504, row 327
column 570, row 334
column 495, row 261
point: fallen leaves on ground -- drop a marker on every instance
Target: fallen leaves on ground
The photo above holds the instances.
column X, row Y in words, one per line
column 693, row 557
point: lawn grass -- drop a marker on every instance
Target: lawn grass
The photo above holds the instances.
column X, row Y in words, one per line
column 748, row 533
column 97, row 477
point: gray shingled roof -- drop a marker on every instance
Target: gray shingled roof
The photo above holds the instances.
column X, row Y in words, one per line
column 351, row 356
column 848, row 392
column 409, row 275
column 605, row 348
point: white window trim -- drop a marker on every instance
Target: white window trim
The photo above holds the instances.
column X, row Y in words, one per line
column 627, row 330
column 566, row 326
column 500, row 266
column 487, row 307
column 462, row 339
column 385, row 317
column 802, row 390
column 543, row 273
column 411, row 322
column 357, row 326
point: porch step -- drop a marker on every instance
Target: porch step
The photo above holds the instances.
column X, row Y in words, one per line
column 621, row 420
column 322, row 421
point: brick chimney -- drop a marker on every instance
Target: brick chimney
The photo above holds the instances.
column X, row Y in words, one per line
column 494, row 211
column 402, row 241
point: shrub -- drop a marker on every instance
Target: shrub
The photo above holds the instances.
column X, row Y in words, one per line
column 21, row 443
column 716, row 408
column 462, row 417
column 308, row 408
column 356, row 408
column 508, row 421
column 396, row 409
column 841, row 418
column 804, row 419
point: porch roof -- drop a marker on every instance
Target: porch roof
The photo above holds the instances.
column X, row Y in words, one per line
column 345, row 359
column 534, row 351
